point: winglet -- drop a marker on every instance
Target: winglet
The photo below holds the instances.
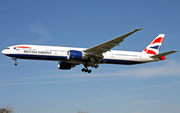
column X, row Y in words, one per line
column 138, row 29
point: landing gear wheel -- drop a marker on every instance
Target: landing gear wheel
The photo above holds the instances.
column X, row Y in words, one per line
column 86, row 70
column 15, row 63
column 15, row 59
column 96, row 66
column 89, row 71
column 83, row 69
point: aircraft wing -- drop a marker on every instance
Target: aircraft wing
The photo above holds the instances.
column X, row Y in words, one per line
column 104, row 47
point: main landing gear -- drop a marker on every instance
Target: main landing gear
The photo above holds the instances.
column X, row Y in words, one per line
column 15, row 59
column 88, row 70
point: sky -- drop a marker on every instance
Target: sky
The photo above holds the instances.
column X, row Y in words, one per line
column 40, row 87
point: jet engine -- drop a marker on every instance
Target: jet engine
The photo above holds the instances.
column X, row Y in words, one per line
column 65, row 65
column 75, row 55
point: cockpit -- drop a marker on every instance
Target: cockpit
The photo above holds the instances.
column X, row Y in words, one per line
column 6, row 50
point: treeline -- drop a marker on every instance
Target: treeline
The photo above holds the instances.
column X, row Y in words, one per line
column 6, row 109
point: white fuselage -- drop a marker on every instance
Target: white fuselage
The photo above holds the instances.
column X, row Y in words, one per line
column 57, row 53
column 69, row 57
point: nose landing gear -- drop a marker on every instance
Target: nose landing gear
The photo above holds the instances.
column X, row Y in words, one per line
column 15, row 59
column 15, row 63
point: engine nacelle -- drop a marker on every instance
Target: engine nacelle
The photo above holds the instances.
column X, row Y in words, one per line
column 74, row 55
column 65, row 65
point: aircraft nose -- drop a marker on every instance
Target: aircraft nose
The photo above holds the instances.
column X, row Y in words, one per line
column 3, row 52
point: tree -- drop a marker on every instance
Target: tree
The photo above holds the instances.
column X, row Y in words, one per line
column 6, row 109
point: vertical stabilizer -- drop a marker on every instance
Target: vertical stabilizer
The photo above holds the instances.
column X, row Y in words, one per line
column 154, row 47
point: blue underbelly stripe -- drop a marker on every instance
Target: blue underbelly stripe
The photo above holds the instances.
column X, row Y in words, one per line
column 38, row 57
column 59, row 58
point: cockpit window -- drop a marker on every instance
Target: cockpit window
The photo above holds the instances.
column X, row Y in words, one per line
column 7, row 48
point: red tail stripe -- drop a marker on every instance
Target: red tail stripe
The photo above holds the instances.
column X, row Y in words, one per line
column 149, row 51
column 158, row 40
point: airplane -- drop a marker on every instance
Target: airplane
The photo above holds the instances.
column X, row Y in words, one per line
column 69, row 57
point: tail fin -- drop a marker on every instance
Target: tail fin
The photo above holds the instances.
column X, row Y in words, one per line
column 154, row 47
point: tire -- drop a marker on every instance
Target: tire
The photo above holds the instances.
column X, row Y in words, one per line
column 89, row 71
column 86, row 70
column 15, row 63
column 83, row 69
column 96, row 66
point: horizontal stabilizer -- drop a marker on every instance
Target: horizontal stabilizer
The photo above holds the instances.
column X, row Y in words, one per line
column 163, row 54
